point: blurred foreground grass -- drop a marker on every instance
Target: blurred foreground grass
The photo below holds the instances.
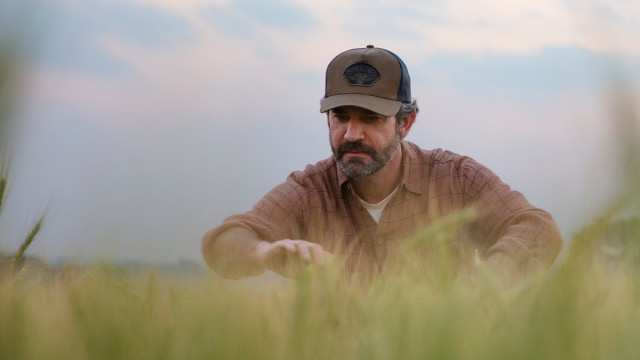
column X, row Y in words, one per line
column 586, row 307
column 583, row 309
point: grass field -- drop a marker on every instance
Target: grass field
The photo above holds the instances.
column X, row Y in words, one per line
column 584, row 308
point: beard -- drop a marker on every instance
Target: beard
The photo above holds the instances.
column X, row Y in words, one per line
column 356, row 168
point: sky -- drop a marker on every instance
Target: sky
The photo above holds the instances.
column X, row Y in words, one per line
column 141, row 124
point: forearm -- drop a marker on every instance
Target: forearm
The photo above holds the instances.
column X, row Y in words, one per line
column 530, row 241
column 232, row 253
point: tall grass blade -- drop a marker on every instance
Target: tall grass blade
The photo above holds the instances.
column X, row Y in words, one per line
column 19, row 256
column 3, row 187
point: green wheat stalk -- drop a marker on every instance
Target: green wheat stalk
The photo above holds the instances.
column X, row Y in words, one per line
column 19, row 256
column 3, row 187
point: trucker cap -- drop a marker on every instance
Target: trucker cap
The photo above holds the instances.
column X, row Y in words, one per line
column 372, row 78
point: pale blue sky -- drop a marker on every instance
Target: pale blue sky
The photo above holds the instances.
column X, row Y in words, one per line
column 146, row 122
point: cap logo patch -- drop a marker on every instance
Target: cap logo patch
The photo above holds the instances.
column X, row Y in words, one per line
column 361, row 74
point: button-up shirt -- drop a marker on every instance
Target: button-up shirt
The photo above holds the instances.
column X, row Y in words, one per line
column 318, row 204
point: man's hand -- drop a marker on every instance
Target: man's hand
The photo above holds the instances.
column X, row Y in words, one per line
column 287, row 257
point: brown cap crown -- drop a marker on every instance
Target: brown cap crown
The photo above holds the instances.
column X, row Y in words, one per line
column 372, row 78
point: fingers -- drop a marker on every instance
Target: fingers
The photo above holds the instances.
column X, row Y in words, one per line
column 309, row 253
column 290, row 254
column 303, row 253
column 318, row 254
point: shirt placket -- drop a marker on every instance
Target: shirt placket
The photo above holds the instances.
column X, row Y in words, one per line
column 366, row 230
column 376, row 237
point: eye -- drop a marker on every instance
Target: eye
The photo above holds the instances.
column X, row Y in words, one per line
column 340, row 117
column 370, row 119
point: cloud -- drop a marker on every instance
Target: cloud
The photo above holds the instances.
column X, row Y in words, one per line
column 244, row 18
column 547, row 71
column 278, row 13
column 487, row 26
column 607, row 26
column 73, row 33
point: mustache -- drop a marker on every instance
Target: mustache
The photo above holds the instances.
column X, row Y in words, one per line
column 358, row 146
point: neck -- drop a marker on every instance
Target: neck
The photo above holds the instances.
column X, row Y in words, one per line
column 378, row 186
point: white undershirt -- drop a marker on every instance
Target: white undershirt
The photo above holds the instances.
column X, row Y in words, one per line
column 375, row 210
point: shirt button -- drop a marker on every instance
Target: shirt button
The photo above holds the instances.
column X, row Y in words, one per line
column 379, row 240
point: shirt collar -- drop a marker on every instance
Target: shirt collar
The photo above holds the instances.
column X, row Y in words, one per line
column 410, row 170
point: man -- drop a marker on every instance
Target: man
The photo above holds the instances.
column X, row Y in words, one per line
column 378, row 191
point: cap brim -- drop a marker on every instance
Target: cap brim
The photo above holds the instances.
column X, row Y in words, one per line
column 378, row 105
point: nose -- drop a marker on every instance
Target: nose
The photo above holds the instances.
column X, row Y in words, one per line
column 354, row 132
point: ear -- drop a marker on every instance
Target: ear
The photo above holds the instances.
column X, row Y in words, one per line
column 407, row 123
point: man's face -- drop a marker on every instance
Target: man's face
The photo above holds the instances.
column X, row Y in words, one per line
column 362, row 141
